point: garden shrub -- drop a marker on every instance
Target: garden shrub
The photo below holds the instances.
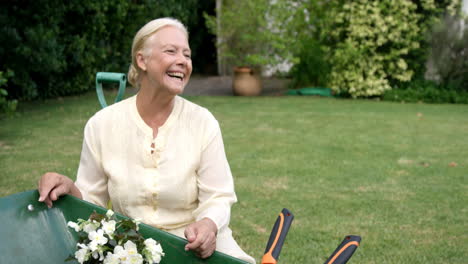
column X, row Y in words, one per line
column 6, row 106
column 312, row 69
column 449, row 53
column 427, row 91
column 370, row 41
column 370, row 45
column 256, row 33
column 55, row 48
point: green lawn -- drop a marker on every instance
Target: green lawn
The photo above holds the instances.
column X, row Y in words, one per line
column 395, row 174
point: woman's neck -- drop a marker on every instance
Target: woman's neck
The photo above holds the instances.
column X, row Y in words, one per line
column 154, row 108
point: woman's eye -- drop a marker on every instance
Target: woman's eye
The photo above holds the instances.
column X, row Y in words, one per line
column 170, row 51
column 188, row 56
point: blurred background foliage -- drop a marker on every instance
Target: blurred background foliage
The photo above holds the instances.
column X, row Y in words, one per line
column 382, row 48
column 54, row 48
column 257, row 33
column 362, row 48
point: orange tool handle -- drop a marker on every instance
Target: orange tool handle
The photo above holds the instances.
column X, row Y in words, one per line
column 345, row 250
column 277, row 237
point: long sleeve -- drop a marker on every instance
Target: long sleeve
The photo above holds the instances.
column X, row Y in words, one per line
column 215, row 183
column 91, row 179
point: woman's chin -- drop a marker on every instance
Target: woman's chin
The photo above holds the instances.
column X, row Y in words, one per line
column 175, row 86
column 176, row 90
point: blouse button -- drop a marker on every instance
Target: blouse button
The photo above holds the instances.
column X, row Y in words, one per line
column 155, row 203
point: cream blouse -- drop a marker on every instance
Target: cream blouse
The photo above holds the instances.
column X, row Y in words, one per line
column 184, row 179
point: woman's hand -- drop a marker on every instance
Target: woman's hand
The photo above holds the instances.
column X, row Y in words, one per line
column 53, row 185
column 201, row 236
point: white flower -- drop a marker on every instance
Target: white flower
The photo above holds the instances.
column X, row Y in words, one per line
column 108, row 227
column 131, row 248
column 74, row 226
column 156, row 259
column 82, row 255
column 134, row 259
column 111, row 259
column 137, row 222
column 98, row 237
column 82, row 246
column 93, row 246
column 101, row 255
column 109, row 213
column 120, row 252
column 90, row 227
column 155, row 249
column 150, row 242
column 153, row 246
column 129, row 253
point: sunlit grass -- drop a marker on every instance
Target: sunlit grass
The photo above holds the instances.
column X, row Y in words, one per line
column 395, row 174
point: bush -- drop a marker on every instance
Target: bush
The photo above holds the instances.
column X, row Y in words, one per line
column 6, row 106
column 428, row 92
column 255, row 33
column 55, row 48
column 370, row 45
column 312, row 69
column 449, row 53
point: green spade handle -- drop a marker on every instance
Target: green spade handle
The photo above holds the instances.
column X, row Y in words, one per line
column 109, row 77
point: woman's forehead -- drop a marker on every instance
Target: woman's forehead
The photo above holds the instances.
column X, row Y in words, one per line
column 169, row 35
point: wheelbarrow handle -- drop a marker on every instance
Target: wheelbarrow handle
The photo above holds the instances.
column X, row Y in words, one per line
column 345, row 250
column 277, row 237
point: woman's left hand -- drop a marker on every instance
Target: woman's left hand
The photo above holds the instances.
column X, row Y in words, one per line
column 201, row 236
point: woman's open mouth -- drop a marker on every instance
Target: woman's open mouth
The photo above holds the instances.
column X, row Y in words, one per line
column 177, row 75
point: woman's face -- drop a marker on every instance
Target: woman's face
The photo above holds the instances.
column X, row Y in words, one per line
column 168, row 63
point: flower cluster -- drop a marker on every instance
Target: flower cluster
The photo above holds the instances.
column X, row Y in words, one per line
column 104, row 239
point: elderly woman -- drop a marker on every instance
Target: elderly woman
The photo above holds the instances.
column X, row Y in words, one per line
column 157, row 156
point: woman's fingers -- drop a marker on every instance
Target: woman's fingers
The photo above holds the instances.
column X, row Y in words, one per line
column 194, row 236
column 204, row 245
column 208, row 246
column 202, row 237
column 51, row 186
column 59, row 190
column 48, row 202
column 45, row 187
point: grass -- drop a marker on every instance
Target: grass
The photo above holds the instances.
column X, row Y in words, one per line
column 395, row 174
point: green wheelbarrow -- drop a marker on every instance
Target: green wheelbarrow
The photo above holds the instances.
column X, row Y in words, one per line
column 32, row 233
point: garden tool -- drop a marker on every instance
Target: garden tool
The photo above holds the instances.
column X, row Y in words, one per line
column 341, row 255
column 277, row 237
column 110, row 77
column 345, row 250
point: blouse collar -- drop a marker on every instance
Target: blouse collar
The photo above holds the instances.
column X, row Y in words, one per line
column 162, row 129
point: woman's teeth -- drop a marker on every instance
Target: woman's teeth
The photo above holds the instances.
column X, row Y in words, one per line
column 176, row 75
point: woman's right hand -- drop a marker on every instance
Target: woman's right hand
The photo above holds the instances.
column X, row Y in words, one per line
column 53, row 185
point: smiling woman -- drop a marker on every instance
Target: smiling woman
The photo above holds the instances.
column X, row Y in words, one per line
column 157, row 156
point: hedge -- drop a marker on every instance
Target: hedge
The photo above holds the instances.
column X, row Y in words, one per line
column 54, row 48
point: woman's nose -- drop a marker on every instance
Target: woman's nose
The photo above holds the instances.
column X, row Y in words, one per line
column 181, row 59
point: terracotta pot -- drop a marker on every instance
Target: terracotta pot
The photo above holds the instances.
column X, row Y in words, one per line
column 246, row 82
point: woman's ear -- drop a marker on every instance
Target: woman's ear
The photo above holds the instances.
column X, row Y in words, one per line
column 141, row 61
